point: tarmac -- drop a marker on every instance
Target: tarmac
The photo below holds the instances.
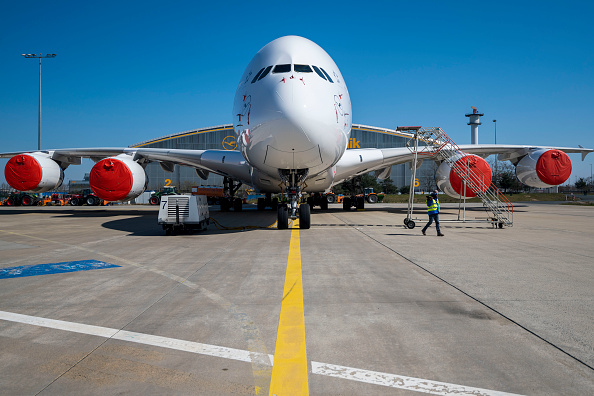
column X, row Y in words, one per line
column 97, row 300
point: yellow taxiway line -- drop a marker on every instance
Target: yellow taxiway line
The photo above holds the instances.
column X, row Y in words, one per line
column 289, row 371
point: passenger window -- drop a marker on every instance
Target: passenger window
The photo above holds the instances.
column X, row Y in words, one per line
column 319, row 72
column 257, row 75
column 265, row 72
column 282, row 68
column 303, row 69
column 327, row 75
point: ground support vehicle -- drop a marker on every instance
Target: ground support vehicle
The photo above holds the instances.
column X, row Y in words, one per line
column 183, row 213
column 24, row 199
column 87, row 197
column 369, row 195
column 214, row 195
column 156, row 197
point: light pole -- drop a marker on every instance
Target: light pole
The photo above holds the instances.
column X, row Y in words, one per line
column 495, row 122
column 39, row 118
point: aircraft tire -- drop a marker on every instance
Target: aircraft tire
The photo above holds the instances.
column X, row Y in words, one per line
column 360, row 202
column 261, row 204
column 346, row 203
column 237, row 205
column 282, row 217
column 304, row 216
column 324, row 204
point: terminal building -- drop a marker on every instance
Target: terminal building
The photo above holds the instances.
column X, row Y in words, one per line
column 223, row 137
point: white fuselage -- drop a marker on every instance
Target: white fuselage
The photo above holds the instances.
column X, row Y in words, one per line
column 292, row 111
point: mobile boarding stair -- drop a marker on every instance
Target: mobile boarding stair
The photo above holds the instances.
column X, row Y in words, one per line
column 437, row 145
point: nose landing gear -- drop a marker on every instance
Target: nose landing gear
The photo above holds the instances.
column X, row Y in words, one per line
column 293, row 180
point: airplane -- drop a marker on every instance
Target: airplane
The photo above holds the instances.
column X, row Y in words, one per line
column 292, row 116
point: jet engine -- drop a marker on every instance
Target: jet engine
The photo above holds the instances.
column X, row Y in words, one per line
column 450, row 183
column 544, row 168
column 118, row 178
column 35, row 172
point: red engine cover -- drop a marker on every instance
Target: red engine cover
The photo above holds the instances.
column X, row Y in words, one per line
column 111, row 179
column 23, row 172
column 480, row 174
column 553, row 167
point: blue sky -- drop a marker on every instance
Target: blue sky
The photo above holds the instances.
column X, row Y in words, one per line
column 128, row 71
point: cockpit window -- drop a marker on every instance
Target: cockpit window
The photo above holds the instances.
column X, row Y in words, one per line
column 264, row 73
column 282, row 68
column 303, row 69
column 257, row 75
column 319, row 72
column 327, row 75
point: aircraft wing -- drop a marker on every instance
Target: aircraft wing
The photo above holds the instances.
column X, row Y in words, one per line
column 356, row 162
column 228, row 163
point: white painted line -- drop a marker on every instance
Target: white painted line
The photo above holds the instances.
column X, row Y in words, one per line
column 330, row 370
column 139, row 338
column 399, row 381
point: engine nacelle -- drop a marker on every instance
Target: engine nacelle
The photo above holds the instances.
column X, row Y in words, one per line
column 450, row 183
column 35, row 172
column 544, row 168
column 118, row 178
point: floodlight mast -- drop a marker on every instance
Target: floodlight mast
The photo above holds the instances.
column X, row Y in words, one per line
column 39, row 117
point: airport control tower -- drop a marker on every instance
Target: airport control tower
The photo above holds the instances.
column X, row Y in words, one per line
column 474, row 121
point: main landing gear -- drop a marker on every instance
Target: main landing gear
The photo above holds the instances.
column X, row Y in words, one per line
column 357, row 200
column 229, row 201
column 293, row 180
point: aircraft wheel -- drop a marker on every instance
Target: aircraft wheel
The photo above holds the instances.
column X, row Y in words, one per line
column 261, row 204
column 282, row 217
column 346, row 203
column 360, row 202
column 237, row 205
column 304, row 216
column 324, row 204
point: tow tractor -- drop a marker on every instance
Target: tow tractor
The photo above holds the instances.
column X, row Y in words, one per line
column 156, row 197
column 18, row 199
column 87, row 197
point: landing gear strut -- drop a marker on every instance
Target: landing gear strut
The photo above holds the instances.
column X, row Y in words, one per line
column 293, row 180
column 229, row 190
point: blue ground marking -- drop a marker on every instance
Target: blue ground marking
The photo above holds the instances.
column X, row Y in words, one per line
column 54, row 268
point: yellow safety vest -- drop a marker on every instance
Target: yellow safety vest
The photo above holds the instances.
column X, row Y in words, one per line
column 434, row 206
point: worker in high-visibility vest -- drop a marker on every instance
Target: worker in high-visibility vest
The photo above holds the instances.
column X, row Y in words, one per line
column 433, row 211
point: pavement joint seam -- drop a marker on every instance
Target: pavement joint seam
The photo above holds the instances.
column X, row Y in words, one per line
column 474, row 298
